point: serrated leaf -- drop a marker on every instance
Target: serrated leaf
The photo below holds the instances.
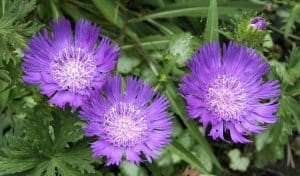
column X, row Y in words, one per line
column 211, row 27
column 290, row 109
column 12, row 166
column 281, row 71
column 290, row 22
column 52, row 148
column 14, row 30
column 79, row 158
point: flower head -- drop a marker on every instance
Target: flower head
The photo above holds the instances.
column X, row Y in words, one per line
column 69, row 68
column 258, row 23
column 226, row 89
column 128, row 123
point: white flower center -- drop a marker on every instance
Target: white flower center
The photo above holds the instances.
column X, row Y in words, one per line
column 125, row 125
column 73, row 69
column 226, row 98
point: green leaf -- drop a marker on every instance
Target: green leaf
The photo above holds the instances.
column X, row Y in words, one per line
column 290, row 22
column 128, row 168
column 54, row 9
column 182, row 47
column 280, row 68
column 202, row 155
column 112, row 13
column 270, row 144
column 238, row 162
column 211, row 27
column 290, row 109
column 12, row 166
column 126, row 64
column 14, row 30
column 79, row 158
column 187, row 156
column 151, row 43
column 51, row 139
column 177, row 106
column 197, row 9
column 4, row 76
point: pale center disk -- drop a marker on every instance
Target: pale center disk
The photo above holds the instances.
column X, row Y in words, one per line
column 125, row 125
column 226, row 98
column 73, row 70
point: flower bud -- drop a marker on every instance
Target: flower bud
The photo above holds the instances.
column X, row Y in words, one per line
column 258, row 23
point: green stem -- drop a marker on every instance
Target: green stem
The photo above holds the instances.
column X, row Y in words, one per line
column 3, row 7
column 193, row 129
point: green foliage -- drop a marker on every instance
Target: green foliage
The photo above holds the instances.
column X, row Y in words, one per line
column 14, row 29
column 128, row 168
column 238, row 162
column 270, row 144
column 197, row 9
column 291, row 20
column 47, row 146
column 182, row 47
column 211, row 33
column 157, row 38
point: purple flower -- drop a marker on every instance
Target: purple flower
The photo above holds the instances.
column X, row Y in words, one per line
column 258, row 23
column 128, row 123
column 226, row 89
column 69, row 68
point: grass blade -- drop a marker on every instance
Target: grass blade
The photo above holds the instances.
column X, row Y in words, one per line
column 186, row 155
column 197, row 9
column 211, row 33
column 191, row 126
column 111, row 13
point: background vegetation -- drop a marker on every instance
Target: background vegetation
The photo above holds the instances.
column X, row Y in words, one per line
column 156, row 37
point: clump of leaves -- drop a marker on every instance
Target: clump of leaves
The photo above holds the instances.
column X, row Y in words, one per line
column 14, row 29
column 270, row 144
column 291, row 19
column 51, row 145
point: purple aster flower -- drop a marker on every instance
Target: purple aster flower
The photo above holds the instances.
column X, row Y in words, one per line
column 226, row 89
column 258, row 23
column 69, row 68
column 128, row 123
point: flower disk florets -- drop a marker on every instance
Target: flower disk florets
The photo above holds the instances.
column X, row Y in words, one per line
column 125, row 125
column 226, row 90
column 69, row 68
column 73, row 69
column 130, row 123
column 226, row 98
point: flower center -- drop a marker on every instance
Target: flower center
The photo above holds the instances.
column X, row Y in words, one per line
column 226, row 98
column 125, row 125
column 73, row 69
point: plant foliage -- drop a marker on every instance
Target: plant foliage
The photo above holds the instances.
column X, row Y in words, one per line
column 157, row 38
